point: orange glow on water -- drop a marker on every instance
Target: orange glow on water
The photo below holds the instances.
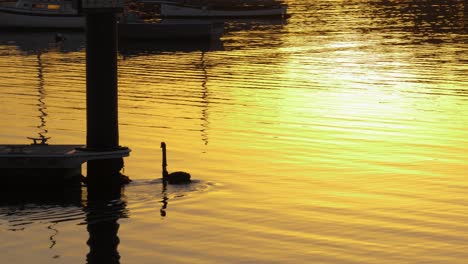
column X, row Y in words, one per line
column 337, row 137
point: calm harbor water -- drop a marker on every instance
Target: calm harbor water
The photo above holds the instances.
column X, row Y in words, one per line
column 337, row 136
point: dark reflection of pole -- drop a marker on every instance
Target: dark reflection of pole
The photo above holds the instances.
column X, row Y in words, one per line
column 41, row 104
column 52, row 239
column 102, row 215
column 204, row 118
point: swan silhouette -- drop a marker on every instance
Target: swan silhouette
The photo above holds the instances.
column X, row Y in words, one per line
column 177, row 177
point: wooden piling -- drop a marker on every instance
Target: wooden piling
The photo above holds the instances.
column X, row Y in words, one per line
column 101, row 96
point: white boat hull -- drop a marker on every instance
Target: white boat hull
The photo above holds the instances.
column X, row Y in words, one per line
column 171, row 10
column 142, row 31
column 13, row 19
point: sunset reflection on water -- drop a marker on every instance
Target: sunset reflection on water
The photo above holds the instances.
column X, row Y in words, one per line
column 337, row 136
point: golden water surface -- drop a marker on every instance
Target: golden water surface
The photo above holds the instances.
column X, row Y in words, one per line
column 337, row 136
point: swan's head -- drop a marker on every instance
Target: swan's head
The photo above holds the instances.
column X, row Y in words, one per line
column 163, row 145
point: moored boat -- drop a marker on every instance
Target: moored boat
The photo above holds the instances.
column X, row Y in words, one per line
column 34, row 14
column 193, row 11
column 62, row 14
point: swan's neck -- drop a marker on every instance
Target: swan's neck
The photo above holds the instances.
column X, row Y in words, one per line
column 164, row 163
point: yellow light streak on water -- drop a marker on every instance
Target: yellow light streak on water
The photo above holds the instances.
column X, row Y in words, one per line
column 337, row 137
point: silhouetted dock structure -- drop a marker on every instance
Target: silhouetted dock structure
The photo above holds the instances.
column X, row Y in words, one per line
column 62, row 162
column 52, row 156
column 40, row 163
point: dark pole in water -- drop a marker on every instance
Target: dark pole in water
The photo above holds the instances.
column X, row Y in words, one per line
column 101, row 80
column 101, row 93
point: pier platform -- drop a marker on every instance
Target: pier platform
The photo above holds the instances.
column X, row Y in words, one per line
column 38, row 163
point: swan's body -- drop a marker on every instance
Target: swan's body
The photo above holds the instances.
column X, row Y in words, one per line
column 178, row 177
